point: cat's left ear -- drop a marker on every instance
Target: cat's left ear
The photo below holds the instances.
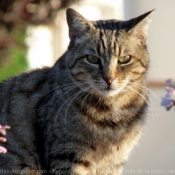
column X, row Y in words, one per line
column 139, row 25
column 78, row 25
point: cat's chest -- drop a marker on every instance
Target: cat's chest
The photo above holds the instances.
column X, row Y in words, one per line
column 110, row 150
column 107, row 159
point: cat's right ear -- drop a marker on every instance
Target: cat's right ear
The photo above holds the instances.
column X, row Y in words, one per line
column 138, row 26
column 78, row 25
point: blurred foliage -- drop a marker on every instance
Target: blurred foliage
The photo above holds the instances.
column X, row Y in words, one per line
column 14, row 61
column 15, row 17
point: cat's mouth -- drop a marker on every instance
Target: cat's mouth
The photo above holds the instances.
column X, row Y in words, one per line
column 108, row 91
column 108, row 88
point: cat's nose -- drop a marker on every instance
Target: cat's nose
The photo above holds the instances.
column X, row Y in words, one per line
column 109, row 80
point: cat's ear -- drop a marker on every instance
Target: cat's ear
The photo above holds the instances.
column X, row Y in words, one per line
column 78, row 25
column 139, row 25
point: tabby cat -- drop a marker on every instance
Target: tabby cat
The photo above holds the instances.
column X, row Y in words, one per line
column 84, row 115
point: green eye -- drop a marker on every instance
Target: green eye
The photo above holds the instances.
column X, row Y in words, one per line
column 92, row 59
column 124, row 59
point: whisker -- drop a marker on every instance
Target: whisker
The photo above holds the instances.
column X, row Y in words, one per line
column 149, row 96
column 63, row 105
column 77, row 93
column 143, row 89
column 148, row 90
column 138, row 94
column 68, row 88
column 82, row 91
column 149, row 105
column 69, row 84
column 86, row 97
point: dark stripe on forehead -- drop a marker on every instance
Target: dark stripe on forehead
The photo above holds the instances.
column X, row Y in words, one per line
column 102, row 39
column 112, row 42
column 115, row 48
column 99, row 49
column 106, row 24
column 108, row 41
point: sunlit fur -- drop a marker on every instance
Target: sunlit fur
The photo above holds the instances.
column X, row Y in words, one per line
column 80, row 118
column 108, row 44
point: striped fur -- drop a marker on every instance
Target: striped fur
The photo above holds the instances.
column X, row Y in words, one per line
column 79, row 117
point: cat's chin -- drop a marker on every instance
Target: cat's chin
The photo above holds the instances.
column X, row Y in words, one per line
column 108, row 93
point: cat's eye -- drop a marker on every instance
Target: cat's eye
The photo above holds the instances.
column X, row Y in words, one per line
column 93, row 59
column 124, row 59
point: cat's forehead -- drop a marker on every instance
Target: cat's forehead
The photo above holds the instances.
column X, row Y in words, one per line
column 111, row 24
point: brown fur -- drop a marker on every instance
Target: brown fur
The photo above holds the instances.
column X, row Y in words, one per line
column 79, row 117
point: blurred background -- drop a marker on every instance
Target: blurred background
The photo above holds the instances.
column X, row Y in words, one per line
column 34, row 33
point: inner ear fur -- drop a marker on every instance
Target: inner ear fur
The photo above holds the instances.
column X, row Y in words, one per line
column 139, row 26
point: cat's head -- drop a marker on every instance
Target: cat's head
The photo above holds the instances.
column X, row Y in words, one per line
column 107, row 55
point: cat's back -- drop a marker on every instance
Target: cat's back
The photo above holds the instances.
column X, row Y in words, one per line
column 19, row 97
column 17, row 93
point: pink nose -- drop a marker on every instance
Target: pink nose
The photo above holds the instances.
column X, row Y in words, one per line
column 109, row 81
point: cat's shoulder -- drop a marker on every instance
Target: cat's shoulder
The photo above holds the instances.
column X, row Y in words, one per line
column 27, row 80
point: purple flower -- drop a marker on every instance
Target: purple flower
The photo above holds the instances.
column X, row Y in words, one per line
column 169, row 100
column 170, row 83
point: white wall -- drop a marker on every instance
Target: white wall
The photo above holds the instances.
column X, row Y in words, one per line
column 155, row 153
column 40, row 48
column 161, row 38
